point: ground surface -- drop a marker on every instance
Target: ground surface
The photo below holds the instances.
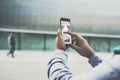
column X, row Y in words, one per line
column 32, row 65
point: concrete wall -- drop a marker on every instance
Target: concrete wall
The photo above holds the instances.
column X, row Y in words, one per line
column 99, row 17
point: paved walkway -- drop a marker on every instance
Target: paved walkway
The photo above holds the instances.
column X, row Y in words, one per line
column 32, row 65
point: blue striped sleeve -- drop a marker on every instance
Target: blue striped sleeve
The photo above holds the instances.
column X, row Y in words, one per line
column 57, row 67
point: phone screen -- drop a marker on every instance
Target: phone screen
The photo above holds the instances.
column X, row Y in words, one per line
column 65, row 26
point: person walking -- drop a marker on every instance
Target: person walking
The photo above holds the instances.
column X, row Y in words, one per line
column 11, row 44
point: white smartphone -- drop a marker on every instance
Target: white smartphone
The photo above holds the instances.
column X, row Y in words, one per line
column 65, row 25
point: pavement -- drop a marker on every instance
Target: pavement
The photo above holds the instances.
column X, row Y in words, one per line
column 32, row 65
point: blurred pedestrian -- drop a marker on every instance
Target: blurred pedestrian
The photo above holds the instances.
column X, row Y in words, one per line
column 11, row 44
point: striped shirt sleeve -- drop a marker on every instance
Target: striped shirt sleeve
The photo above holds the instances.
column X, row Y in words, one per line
column 57, row 67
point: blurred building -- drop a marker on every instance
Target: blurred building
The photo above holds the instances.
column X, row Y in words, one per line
column 35, row 22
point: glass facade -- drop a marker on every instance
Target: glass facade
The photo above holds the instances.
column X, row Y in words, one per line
column 45, row 42
column 100, row 44
column 3, row 41
column 50, row 42
column 32, row 42
column 114, row 42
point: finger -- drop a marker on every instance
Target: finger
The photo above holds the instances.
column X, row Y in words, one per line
column 77, row 48
column 59, row 32
column 72, row 34
column 77, row 37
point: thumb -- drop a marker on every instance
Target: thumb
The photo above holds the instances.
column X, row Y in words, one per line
column 59, row 32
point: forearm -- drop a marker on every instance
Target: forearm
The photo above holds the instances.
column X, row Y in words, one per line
column 57, row 67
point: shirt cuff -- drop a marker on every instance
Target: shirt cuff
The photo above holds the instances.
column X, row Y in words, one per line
column 94, row 60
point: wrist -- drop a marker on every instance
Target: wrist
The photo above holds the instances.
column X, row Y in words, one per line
column 90, row 55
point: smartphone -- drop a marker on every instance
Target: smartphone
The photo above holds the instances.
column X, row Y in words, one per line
column 65, row 25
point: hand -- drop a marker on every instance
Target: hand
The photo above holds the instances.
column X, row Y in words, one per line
column 60, row 44
column 81, row 45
